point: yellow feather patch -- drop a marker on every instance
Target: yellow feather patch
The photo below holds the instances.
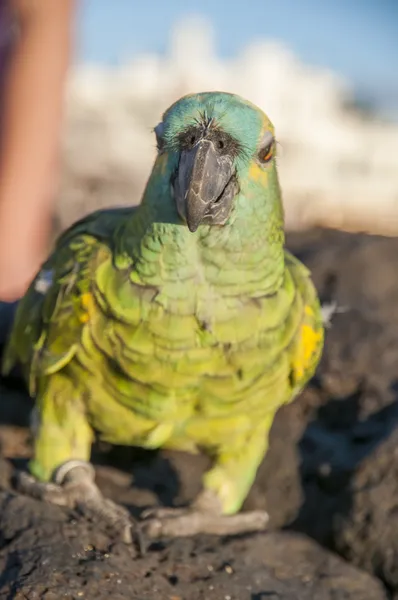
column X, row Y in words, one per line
column 258, row 174
column 87, row 302
column 267, row 125
column 308, row 343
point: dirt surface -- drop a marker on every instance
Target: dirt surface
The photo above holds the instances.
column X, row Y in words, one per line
column 331, row 474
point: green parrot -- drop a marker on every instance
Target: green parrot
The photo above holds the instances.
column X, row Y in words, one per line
column 182, row 323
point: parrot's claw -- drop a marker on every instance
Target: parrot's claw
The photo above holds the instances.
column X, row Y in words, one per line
column 190, row 522
column 202, row 518
column 75, row 487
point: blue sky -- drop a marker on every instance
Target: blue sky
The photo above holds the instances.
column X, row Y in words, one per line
column 357, row 38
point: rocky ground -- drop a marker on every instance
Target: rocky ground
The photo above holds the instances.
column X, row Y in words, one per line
column 329, row 482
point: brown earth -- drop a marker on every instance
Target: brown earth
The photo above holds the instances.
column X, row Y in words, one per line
column 331, row 474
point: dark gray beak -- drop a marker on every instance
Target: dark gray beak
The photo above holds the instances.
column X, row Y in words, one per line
column 202, row 179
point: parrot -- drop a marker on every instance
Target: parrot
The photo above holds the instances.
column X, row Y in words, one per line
column 181, row 323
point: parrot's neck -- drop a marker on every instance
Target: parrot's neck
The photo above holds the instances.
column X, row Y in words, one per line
column 246, row 253
column 235, row 259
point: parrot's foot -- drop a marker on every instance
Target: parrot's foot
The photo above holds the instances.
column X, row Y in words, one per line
column 74, row 487
column 204, row 516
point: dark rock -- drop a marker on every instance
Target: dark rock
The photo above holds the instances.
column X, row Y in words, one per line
column 46, row 555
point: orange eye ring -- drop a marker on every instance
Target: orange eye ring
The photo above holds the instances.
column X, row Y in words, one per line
column 266, row 153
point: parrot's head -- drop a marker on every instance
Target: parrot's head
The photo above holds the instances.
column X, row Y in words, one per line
column 216, row 147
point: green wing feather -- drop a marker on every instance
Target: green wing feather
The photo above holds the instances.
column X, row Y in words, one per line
column 48, row 325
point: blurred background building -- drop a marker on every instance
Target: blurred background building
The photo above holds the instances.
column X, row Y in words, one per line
column 325, row 73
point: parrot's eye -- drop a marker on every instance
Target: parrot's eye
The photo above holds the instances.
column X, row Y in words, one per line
column 159, row 130
column 266, row 153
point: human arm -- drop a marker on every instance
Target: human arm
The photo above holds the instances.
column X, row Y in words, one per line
column 32, row 119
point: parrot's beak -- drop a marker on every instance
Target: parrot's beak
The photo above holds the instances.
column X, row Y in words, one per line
column 205, row 185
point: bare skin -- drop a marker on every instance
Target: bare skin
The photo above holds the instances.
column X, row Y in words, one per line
column 32, row 119
column 74, row 486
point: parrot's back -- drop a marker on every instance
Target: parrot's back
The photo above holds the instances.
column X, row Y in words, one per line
column 165, row 349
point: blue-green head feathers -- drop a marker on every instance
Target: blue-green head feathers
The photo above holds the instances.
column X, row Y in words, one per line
column 216, row 159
